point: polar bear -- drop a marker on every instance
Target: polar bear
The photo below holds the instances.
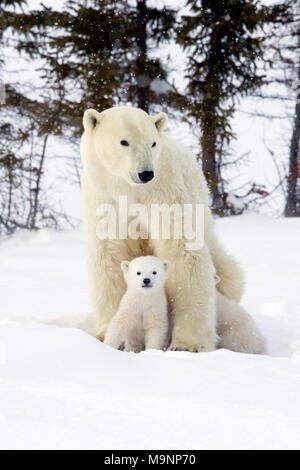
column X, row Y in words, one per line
column 126, row 153
column 141, row 321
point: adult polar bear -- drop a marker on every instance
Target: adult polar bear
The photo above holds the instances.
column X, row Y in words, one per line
column 125, row 152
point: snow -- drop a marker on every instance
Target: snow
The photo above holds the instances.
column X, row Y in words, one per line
column 235, row 202
column 60, row 388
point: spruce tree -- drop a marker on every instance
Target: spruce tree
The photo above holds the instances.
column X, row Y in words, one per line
column 224, row 43
column 10, row 136
column 290, row 53
column 148, row 27
column 25, row 125
column 98, row 54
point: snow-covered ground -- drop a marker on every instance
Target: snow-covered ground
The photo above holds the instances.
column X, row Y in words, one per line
column 61, row 388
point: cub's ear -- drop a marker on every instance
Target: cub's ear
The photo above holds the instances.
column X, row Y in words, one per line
column 91, row 119
column 167, row 265
column 125, row 266
column 160, row 121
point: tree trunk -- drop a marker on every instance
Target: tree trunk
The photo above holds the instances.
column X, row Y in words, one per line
column 210, row 170
column 292, row 208
column 142, row 78
column 38, row 185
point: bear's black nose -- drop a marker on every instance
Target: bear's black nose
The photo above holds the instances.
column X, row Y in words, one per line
column 146, row 280
column 146, row 176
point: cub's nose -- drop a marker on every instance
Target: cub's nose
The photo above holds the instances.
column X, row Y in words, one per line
column 146, row 280
column 146, row 176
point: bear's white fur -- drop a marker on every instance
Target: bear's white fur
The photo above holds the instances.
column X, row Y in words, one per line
column 112, row 170
column 141, row 321
column 237, row 328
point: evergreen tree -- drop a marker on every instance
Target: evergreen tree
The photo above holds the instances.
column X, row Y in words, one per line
column 291, row 51
column 24, row 132
column 10, row 136
column 148, row 27
column 223, row 43
column 97, row 54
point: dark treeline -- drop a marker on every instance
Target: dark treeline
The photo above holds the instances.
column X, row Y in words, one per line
column 100, row 53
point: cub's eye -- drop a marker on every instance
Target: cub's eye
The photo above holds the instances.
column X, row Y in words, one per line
column 125, row 143
column 154, row 144
column 154, row 272
column 138, row 273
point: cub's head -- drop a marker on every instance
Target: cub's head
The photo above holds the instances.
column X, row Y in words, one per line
column 126, row 141
column 146, row 274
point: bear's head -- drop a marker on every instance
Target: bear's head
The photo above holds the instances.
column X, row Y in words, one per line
column 146, row 274
column 125, row 141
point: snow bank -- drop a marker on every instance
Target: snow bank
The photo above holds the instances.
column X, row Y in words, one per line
column 61, row 388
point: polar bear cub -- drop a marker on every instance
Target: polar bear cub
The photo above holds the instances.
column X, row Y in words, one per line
column 141, row 321
column 237, row 329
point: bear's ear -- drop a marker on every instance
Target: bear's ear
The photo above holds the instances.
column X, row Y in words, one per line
column 167, row 265
column 125, row 266
column 91, row 119
column 160, row 121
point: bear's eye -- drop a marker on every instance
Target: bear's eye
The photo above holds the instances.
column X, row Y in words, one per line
column 138, row 273
column 154, row 272
column 154, row 144
column 125, row 143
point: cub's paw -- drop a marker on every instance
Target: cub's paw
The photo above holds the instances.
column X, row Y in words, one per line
column 100, row 336
column 133, row 348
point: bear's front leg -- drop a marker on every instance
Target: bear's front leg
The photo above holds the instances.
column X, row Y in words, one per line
column 106, row 283
column 114, row 336
column 191, row 295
